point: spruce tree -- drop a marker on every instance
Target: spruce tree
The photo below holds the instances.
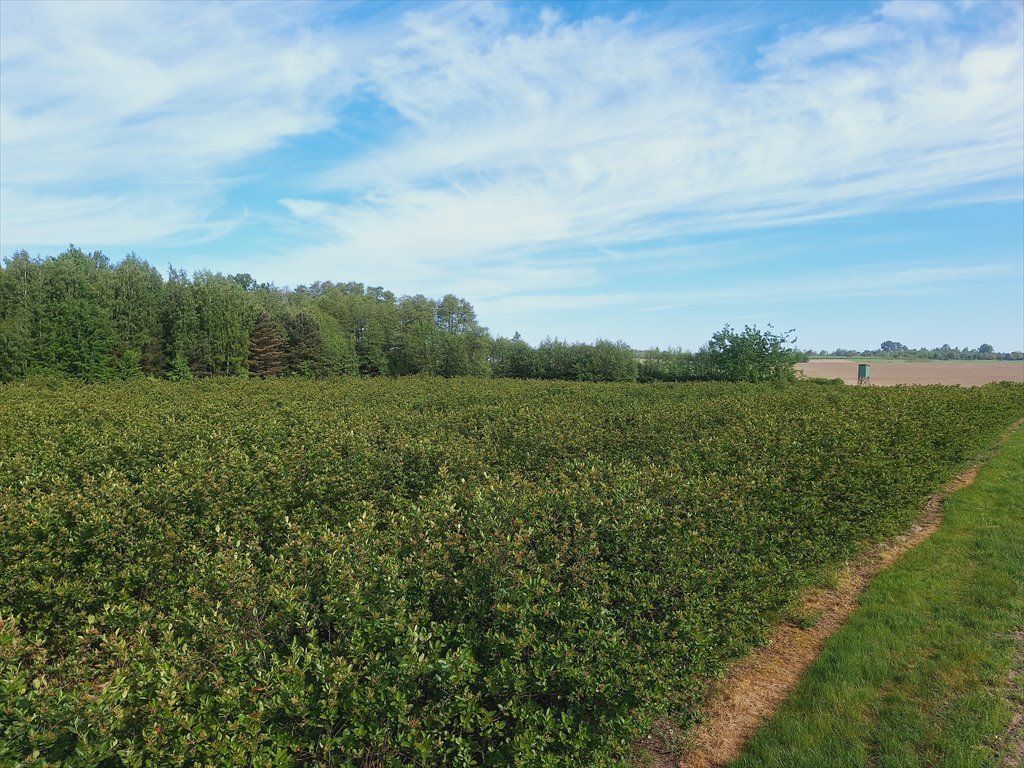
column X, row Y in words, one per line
column 304, row 343
column 266, row 347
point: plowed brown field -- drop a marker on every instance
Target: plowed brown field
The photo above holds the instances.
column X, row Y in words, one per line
column 967, row 373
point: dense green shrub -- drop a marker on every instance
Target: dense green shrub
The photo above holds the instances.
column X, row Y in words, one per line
column 750, row 355
column 421, row 571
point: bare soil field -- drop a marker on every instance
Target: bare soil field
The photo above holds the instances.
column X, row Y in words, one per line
column 968, row 373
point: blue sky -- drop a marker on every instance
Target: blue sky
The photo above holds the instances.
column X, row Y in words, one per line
column 637, row 171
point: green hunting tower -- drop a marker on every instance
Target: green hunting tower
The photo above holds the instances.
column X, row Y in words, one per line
column 863, row 374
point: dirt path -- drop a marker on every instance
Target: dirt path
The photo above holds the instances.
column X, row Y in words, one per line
column 756, row 685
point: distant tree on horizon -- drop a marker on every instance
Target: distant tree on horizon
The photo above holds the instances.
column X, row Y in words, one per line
column 893, row 347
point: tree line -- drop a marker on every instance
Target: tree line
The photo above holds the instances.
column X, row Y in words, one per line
column 80, row 315
column 896, row 349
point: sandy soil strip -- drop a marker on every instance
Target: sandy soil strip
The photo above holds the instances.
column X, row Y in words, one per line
column 756, row 685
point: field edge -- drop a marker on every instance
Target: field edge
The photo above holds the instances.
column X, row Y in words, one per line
column 757, row 685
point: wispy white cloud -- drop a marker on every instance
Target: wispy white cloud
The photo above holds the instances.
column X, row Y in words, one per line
column 616, row 133
column 800, row 48
column 842, row 283
column 915, row 10
column 122, row 119
column 88, row 217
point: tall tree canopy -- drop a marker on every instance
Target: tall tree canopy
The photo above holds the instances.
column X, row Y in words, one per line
column 77, row 314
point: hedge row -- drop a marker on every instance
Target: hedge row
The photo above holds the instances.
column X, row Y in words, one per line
column 423, row 572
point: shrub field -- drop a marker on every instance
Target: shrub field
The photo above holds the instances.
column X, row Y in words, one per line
column 424, row 572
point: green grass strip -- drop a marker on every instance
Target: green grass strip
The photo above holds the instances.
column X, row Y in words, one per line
column 917, row 676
